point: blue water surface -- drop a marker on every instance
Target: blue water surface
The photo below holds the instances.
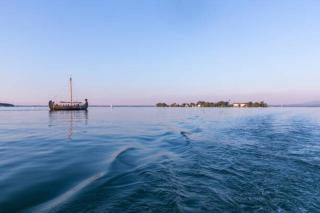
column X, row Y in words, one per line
column 160, row 160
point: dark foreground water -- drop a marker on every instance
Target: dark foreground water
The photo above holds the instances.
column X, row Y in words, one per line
column 160, row 160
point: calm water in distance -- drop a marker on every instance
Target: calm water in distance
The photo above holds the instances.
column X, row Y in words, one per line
column 160, row 160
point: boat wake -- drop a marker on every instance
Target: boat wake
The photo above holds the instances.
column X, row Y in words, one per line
column 52, row 204
column 117, row 162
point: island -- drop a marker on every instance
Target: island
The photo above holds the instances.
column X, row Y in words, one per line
column 216, row 104
column 6, row 105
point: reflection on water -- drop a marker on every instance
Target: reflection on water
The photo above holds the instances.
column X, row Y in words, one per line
column 68, row 118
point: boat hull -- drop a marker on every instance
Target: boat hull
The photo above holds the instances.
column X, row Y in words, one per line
column 67, row 107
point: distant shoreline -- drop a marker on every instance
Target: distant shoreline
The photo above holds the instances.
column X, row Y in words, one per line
column 6, row 105
column 148, row 106
column 102, row 106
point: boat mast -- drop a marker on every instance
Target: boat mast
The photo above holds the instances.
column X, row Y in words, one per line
column 71, row 90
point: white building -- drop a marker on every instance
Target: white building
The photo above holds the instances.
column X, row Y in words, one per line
column 240, row 105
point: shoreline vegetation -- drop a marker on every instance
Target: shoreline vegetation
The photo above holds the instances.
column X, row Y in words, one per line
column 220, row 104
column 6, row 105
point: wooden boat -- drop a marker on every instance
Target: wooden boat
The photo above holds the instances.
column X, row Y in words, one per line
column 69, row 105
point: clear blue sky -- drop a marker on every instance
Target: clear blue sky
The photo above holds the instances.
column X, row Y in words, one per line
column 145, row 51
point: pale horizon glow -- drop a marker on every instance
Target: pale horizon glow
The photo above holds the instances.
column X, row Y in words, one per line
column 149, row 51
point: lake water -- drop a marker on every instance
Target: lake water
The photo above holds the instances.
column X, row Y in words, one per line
column 160, row 160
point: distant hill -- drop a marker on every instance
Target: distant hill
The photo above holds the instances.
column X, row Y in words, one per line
column 6, row 105
column 313, row 103
column 307, row 104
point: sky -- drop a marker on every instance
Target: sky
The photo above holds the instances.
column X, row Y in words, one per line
column 149, row 51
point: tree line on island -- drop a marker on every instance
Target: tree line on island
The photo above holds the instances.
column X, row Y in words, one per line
column 215, row 104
